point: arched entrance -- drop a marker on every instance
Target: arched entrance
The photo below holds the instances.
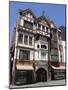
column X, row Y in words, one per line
column 41, row 75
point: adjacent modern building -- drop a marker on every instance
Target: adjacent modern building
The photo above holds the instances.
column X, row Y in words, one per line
column 36, row 53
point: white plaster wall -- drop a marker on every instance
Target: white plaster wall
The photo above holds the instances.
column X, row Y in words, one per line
column 21, row 22
column 45, row 57
column 17, row 53
column 37, row 55
column 39, row 50
column 30, row 17
column 31, row 55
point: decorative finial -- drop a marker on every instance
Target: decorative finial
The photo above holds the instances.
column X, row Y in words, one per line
column 43, row 13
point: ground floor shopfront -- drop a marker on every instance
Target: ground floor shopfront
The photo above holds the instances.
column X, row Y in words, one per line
column 39, row 72
column 29, row 76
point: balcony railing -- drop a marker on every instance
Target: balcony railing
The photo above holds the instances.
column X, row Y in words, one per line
column 24, row 62
column 26, row 29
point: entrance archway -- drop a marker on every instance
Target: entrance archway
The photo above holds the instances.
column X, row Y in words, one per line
column 41, row 75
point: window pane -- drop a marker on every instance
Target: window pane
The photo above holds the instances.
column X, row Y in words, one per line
column 26, row 39
column 30, row 40
column 37, row 46
column 43, row 27
column 43, row 46
column 21, row 54
column 20, row 38
column 28, row 25
column 24, row 55
column 39, row 26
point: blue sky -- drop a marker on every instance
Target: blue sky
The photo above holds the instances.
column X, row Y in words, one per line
column 55, row 12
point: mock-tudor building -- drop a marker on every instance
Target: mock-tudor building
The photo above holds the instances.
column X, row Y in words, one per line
column 36, row 52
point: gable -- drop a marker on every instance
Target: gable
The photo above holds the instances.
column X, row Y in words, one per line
column 43, row 22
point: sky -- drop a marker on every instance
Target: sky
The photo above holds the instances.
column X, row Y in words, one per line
column 54, row 12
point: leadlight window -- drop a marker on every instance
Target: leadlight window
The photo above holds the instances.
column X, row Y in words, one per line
column 26, row 39
column 47, row 29
column 39, row 26
column 30, row 40
column 43, row 46
column 54, row 57
column 20, row 38
column 28, row 24
column 43, row 27
column 24, row 55
column 37, row 46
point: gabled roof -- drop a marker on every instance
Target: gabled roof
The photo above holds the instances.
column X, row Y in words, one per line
column 43, row 18
column 53, row 23
column 23, row 12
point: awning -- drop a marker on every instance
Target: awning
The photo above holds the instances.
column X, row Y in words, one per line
column 60, row 67
column 24, row 67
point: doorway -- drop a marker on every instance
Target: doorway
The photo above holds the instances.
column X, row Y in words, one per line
column 41, row 75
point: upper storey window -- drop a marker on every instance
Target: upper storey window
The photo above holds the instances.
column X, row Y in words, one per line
column 47, row 30
column 28, row 24
column 26, row 39
column 39, row 26
column 30, row 40
column 20, row 38
column 44, row 46
column 43, row 27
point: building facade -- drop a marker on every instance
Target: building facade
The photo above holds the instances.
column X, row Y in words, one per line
column 36, row 49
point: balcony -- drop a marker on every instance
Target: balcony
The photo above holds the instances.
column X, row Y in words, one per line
column 24, row 62
column 24, row 65
column 26, row 29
